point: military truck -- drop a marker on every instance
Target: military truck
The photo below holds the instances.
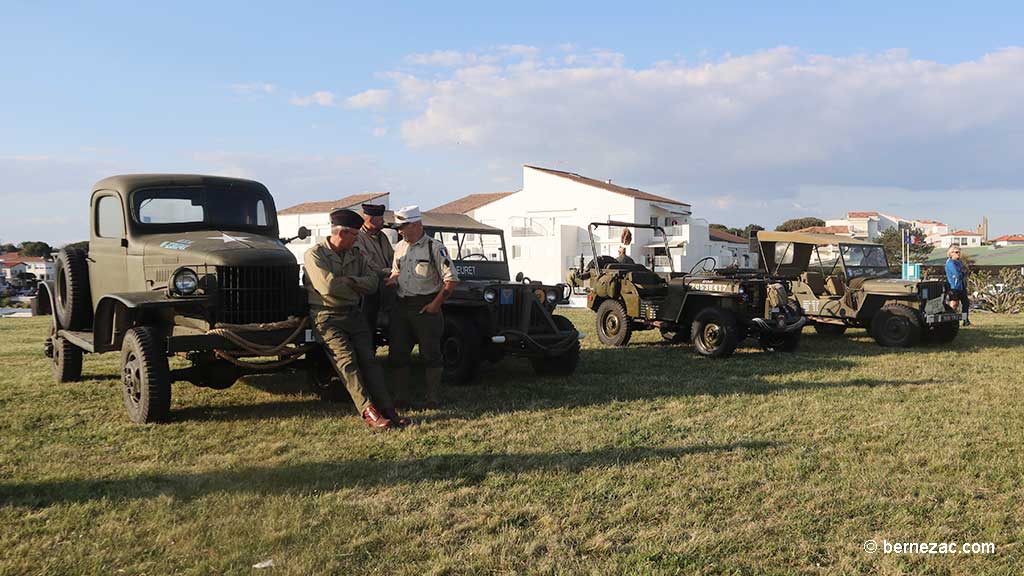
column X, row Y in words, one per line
column 843, row 282
column 490, row 316
column 715, row 309
column 177, row 265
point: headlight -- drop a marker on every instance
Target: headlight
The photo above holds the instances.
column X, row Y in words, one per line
column 185, row 282
column 551, row 295
column 490, row 295
column 539, row 295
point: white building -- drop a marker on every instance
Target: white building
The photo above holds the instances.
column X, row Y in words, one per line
column 960, row 238
column 316, row 217
column 546, row 222
column 869, row 225
column 12, row 264
column 1009, row 240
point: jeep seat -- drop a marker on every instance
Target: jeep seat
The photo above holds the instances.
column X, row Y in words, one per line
column 835, row 286
column 814, row 280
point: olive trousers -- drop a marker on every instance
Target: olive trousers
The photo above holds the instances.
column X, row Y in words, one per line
column 409, row 327
column 348, row 342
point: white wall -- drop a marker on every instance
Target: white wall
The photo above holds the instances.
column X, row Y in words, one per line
column 319, row 224
column 968, row 241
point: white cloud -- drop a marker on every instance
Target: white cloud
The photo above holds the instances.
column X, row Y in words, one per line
column 252, row 89
column 373, row 98
column 320, row 98
column 380, row 131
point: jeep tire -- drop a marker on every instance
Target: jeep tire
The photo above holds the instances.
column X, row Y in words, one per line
column 943, row 333
column 460, row 346
column 613, row 326
column 715, row 333
column 896, row 326
column 563, row 364
column 145, row 377
column 71, row 290
column 781, row 342
column 826, row 329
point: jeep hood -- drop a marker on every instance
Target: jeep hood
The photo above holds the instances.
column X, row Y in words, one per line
column 892, row 286
column 216, row 248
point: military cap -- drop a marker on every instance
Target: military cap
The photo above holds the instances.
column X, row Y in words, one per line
column 373, row 209
column 346, row 218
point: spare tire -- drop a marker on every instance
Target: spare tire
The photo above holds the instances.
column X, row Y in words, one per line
column 71, row 290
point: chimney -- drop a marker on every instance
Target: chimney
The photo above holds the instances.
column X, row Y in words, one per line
column 983, row 229
column 609, row 181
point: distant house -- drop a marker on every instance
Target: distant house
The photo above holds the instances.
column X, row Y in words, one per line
column 960, row 238
column 869, row 225
column 316, row 217
column 545, row 224
column 834, row 230
column 1008, row 240
column 13, row 263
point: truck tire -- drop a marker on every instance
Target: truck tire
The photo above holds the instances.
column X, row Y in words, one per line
column 145, row 377
column 829, row 329
column 460, row 347
column 613, row 326
column 565, row 363
column 714, row 333
column 896, row 326
column 71, row 290
column 943, row 333
column 65, row 359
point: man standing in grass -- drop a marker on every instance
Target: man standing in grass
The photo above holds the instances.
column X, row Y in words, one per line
column 337, row 276
column 956, row 275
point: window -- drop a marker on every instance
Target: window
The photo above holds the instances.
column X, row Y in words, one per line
column 784, row 252
column 654, row 220
column 517, row 251
column 109, row 218
column 231, row 208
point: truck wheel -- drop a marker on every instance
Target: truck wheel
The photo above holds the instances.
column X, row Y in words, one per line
column 829, row 329
column 145, row 377
column 565, row 363
column 460, row 346
column 71, row 290
column 781, row 342
column 326, row 382
column 896, row 326
column 65, row 359
column 613, row 327
column 715, row 333
column 944, row 333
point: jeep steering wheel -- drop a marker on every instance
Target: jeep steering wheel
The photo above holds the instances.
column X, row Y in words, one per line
column 475, row 257
column 703, row 263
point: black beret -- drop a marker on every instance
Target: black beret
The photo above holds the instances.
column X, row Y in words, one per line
column 373, row 209
column 347, row 218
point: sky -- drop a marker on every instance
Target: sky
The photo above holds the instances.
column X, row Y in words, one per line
column 751, row 112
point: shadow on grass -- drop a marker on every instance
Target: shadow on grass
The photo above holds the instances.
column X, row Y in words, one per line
column 465, row 469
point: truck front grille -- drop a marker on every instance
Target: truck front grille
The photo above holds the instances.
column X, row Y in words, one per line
column 254, row 294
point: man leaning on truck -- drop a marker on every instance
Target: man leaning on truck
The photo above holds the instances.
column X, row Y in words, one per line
column 337, row 276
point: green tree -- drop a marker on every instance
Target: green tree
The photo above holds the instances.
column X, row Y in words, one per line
column 4, row 248
column 35, row 249
column 750, row 230
column 892, row 240
column 82, row 245
column 799, row 224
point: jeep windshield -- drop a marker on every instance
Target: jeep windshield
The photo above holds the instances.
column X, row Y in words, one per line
column 201, row 207
column 863, row 260
column 477, row 254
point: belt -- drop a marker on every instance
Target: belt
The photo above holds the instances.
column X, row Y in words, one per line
column 418, row 297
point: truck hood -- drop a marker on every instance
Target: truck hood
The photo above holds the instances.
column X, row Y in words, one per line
column 215, row 248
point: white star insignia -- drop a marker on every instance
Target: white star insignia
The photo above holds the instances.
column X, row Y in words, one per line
column 225, row 238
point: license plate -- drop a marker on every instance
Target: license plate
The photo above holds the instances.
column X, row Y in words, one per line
column 507, row 295
column 309, row 336
column 937, row 318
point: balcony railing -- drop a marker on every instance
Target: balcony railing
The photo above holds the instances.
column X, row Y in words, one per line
column 673, row 231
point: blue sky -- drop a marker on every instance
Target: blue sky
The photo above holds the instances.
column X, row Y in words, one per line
column 814, row 108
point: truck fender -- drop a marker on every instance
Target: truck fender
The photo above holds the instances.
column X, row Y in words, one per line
column 117, row 313
column 45, row 302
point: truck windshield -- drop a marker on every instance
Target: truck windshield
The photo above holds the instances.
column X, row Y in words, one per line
column 864, row 260
column 199, row 206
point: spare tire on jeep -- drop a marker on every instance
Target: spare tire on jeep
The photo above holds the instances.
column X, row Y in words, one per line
column 73, row 303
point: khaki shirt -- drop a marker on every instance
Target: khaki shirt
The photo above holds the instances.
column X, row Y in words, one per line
column 326, row 270
column 416, row 277
column 377, row 250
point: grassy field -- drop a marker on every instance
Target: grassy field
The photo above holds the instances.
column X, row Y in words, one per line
column 650, row 460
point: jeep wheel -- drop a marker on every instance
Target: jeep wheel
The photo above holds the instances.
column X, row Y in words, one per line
column 896, row 326
column 565, row 363
column 145, row 378
column 71, row 290
column 65, row 359
column 715, row 333
column 829, row 329
column 613, row 327
column 324, row 378
column 780, row 342
column 944, row 333
column 460, row 346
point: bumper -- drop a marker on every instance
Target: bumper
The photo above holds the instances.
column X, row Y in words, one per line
column 519, row 343
column 181, row 341
column 942, row 318
column 774, row 328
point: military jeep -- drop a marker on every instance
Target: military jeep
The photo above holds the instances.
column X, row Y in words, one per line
column 177, row 265
column 715, row 309
column 489, row 316
column 843, row 282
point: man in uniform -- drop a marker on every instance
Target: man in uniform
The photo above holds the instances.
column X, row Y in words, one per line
column 425, row 278
column 336, row 277
column 376, row 248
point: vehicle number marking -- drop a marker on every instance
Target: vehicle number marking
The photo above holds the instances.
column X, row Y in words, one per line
column 462, row 269
column 176, row 245
column 711, row 287
column 810, row 305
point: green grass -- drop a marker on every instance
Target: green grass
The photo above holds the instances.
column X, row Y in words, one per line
column 650, row 460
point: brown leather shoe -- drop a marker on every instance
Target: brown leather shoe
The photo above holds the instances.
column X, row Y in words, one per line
column 374, row 419
column 401, row 421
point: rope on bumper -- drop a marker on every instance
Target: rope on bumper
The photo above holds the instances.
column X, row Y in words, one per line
column 286, row 354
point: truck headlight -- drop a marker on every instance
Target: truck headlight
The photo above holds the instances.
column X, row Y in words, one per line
column 185, row 281
column 490, row 295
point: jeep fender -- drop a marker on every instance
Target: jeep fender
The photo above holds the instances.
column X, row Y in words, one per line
column 694, row 303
